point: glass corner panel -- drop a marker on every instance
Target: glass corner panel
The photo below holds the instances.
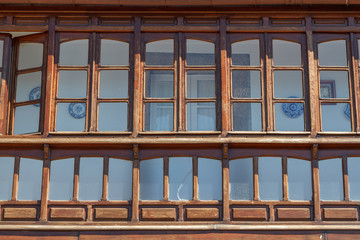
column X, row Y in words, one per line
column 6, row 177
column 180, row 178
column 30, row 178
column 241, row 179
column 331, row 180
column 299, row 179
column 120, row 179
column 90, row 178
column 61, row 179
column 151, row 179
column 209, row 179
column 270, row 178
column 354, row 178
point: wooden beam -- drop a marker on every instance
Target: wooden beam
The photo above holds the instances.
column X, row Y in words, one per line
column 136, row 183
column 45, row 186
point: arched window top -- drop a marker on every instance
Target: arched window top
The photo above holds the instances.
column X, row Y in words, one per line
column 246, row 52
column 160, row 52
column 114, row 52
column 286, row 53
column 74, row 52
column 200, row 52
column 332, row 53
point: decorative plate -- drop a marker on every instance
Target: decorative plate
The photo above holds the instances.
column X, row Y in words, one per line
column 77, row 110
column 35, row 94
column 293, row 110
column 347, row 111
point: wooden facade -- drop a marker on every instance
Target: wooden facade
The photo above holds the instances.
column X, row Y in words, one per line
column 165, row 218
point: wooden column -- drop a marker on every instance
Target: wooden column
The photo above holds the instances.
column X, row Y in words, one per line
column 225, row 80
column 15, row 179
column 137, row 106
column 45, row 183
column 50, row 91
column 345, row 178
column 316, row 183
column 4, row 87
column 356, row 87
column 135, row 189
column 105, row 179
column 226, row 180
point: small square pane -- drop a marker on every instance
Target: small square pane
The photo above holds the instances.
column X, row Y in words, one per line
column 241, row 179
column 159, row 84
column 30, row 55
column 159, row 117
column 270, row 178
column 113, row 116
column 331, row 180
column 246, row 53
column 28, row 86
column 114, row 84
column 151, row 179
column 114, row 52
column 90, row 178
column 210, row 179
column 72, row 84
column 180, row 178
column 299, row 179
column 6, row 177
column 334, row 84
column 200, row 52
column 74, row 53
column 200, row 84
column 30, row 178
column 289, row 116
column 201, row 116
column 246, row 84
column 286, row 53
column 332, row 53
column 288, row 84
column 354, row 178
column 160, row 52
column 61, row 179
column 120, row 179
column 26, row 119
column 336, row 117
column 247, row 117
column 70, row 117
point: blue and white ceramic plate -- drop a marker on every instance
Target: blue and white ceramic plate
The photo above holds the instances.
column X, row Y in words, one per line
column 347, row 111
column 77, row 110
column 35, row 94
column 293, row 110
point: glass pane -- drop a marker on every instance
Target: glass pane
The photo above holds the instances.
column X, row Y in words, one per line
column 74, row 53
column 334, row 84
column 113, row 117
column 120, row 179
column 246, row 84
column 90, row 178
column 30, row 178
column 114, row 84
column 332, row 53
column 247, row 117
column 331, row 181
column 299, row 179
column 200, row 84
column 114, row 52
column 26, row 119
column 201, row 116
column 159, row 117
column 289, row 116
column 180, row 178
column 160, row 52
column 30, row 55
column 159, row 84
column 6, row 177
column 200, row 52
column 288, row 84
column 354, row 177
column 335, row 117
column 70, row 117
column 28, row 87
column 210, row 179
column 270, row 178
column 286, row 53
column 1, row 51
column 72, row 84
column 246, row 53
column 61, row 179
column 241, row 179
column 151, row 179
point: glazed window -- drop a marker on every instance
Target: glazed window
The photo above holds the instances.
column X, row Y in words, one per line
column 93, row 83
column 336, row 105
column 277, row 61
column 180, row 84
column 331, row 179
column 180, row 179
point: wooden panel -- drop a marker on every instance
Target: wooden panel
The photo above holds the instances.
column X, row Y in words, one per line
column 73, row 20
column 202, row 214
column 287, row 21
column 18, row 235
column 115, row 21
column 294, row 214
column 336, row 22
column 67, row 213
column 156, row 214
column 245, row 21
column 20, row 213
column 343, row 236
column 255, row 214
column 347, row 214
column 30, row 21
column 111, row 213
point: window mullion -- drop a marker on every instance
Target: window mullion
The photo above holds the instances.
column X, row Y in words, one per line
column 354, row 66
column 92, row 83
column 269, row 84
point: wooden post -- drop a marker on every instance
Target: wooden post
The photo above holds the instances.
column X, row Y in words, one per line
column 45, row 183
column 136, row 178
column 137, row 106
column 225, row 84
column 226, row 180
column 316, row 183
